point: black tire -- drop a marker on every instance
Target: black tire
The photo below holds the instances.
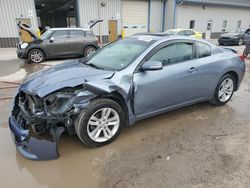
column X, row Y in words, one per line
column 88, row 51
column 85, row 114
column 245, row 53
column 216, row 101
column 241, row 42
column 36, row 51
column 221, row 44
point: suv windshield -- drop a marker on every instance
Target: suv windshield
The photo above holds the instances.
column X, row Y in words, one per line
column 46, row 35
column 118, row 55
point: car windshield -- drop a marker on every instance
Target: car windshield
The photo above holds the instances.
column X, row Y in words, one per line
column 118, row 55
column 46, row 35
column 238, row 30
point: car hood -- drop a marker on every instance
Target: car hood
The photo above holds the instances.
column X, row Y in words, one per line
column 69, row 74
column 230, row 34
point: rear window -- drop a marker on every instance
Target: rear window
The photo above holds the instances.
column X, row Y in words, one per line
column 203, row 50
column 76, row 33
column 89, row 34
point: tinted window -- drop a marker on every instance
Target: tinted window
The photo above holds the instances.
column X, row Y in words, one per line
column 59, row 34
column 174, row 53
column 203, row 50
column 76, row 33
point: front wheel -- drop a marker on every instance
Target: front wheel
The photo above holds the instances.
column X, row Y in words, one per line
column 224, row 90
column 100, row 123
column 36, row 56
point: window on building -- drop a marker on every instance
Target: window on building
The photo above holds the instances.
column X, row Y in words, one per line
column 203, row 50
column 191, row 25
column 224, row 25
column 239, row 24
column 168, row 55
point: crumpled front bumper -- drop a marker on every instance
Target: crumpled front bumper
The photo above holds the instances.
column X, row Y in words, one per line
column 32, row 147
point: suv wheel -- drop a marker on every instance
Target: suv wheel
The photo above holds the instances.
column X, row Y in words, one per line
column 36, row 56
column 224, row 90
column 88, row 51
column 100, row 123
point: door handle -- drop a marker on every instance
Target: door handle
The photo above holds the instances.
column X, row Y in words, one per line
column 192, row 69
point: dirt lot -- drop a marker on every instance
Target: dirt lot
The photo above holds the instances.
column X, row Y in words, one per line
column 198, row 146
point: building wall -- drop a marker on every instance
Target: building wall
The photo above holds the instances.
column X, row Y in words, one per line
column 10, row 10
column 169, row 15
column 92, row 9
column 156, row 16
column 216, row 14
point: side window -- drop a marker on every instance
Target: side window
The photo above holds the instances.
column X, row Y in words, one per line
column 76, row 33
column 59, row 34
column 203, row 50
column 189, row 32
column 174, row 53
column 182, row 33
column 89, row 34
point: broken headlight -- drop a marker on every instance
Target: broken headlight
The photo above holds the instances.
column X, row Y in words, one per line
column 59, row 103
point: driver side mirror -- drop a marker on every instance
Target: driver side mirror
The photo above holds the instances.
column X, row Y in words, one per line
column 51, row 39
column 152, row 66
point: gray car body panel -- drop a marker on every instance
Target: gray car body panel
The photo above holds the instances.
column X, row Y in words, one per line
column 145, row 93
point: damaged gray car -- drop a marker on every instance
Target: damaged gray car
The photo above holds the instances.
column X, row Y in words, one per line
column 126, row 81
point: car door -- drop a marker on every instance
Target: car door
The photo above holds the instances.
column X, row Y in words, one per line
column 57, row 46
column 173, row 86
column 76, row 42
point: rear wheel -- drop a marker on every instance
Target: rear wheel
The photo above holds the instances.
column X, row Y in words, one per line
column 100, row 123
column 224, row 90
column 36, row 56
column 88, row 51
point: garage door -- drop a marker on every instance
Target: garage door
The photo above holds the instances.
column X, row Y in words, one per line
column 134, row 16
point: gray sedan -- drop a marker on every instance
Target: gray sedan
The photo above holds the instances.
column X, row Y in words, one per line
column 126, row 81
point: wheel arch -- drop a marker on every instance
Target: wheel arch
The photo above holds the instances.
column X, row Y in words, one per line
column 236, row 77
column 117, row 97
column 36, row 48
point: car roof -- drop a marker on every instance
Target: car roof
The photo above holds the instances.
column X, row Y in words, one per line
column 69, row 28
column 163, row 37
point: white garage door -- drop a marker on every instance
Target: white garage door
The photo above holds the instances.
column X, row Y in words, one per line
column 134, row 16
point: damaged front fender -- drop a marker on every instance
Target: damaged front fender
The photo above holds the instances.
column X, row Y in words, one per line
column 33, row 148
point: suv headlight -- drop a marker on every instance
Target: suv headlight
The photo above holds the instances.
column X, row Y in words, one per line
column 24, row 45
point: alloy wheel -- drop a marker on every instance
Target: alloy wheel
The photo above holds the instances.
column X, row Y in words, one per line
column 36, row 56
column 103, row 124
column 226, row 90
